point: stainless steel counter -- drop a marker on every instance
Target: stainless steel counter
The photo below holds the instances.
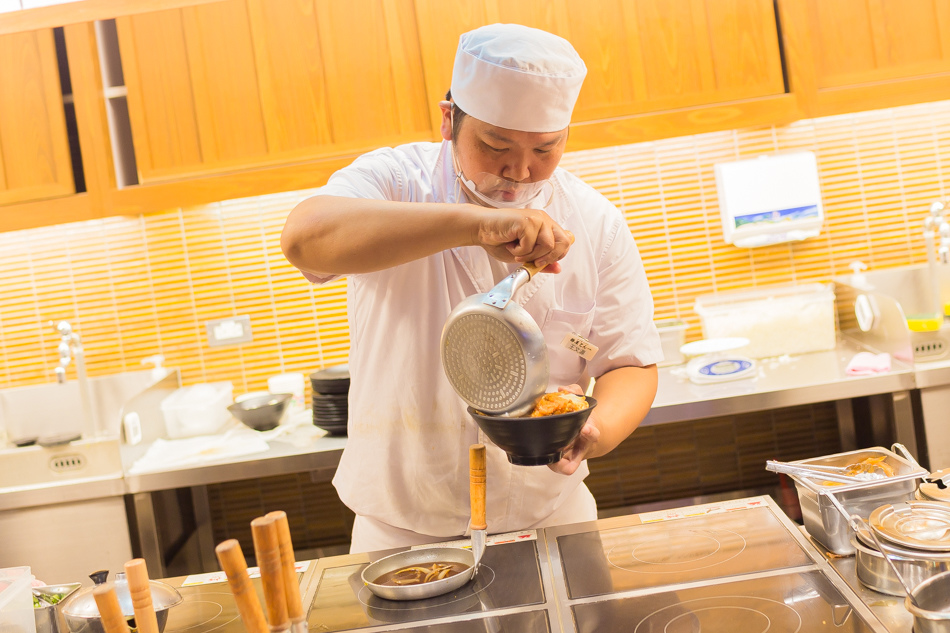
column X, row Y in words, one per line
column 791, row 381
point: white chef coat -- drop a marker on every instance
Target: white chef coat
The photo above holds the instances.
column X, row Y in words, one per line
column 406, row 459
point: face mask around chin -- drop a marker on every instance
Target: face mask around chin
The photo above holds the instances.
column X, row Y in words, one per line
column 498, row 192
column 501, row 193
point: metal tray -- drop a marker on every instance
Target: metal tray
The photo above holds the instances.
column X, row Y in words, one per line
column 823, row 521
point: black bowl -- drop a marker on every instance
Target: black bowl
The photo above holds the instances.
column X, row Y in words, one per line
column 261, row 413
column 533, row 441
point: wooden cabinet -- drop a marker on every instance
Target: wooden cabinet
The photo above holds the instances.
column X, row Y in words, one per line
column 648, row 61
column 849, row 55
column 219, row 99
column 34, row 149
column 253, row 83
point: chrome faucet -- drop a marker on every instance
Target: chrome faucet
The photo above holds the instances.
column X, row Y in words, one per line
column 69, row 346
column 70, row 351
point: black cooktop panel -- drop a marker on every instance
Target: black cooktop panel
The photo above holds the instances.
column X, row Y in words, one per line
column 671, row 552
column 788, row 603
column 510, row 576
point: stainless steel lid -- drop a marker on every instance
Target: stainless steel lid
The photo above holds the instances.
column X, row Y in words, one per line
column 932, row 491
column 863, row 541
column 83, row 604
column 916, row 524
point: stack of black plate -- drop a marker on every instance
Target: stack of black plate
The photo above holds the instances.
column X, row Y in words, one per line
column 330, row 388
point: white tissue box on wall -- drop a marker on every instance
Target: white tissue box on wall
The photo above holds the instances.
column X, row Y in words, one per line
column 770, row 199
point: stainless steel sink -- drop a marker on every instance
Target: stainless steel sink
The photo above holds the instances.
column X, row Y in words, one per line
column 892, row 296
column 81, row 459
column 54, row 410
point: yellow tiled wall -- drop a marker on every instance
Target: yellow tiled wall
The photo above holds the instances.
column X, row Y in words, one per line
column 137, row 286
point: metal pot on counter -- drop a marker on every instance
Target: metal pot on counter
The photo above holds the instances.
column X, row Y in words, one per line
column 932, row 609
column 915, row 566
column 82, row 614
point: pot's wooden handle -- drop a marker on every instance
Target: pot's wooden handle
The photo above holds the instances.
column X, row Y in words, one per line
column 287, row 561
column 235, row 566
column 534, row 270
column 109, row 610
column 267, row 552
column 137, row 574
column 476, row 480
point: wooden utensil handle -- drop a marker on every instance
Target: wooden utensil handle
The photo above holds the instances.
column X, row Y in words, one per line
column 137, row 574
column 234, row 565
column 109, row 610
column 287, row 562
column 267, row 552
column 534, row 270
column 476, row 480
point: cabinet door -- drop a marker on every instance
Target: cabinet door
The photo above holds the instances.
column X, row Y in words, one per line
column 256, row 83
column 642, row 56
column 848, row 55
column 34, row 150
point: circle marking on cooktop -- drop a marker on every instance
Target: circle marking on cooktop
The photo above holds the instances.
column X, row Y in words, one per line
column 208, row 610
column 686, row 550
column 784, row 618
column 365, row 594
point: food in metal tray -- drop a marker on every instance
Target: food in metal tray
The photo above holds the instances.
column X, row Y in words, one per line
column 868, row 469
column 557, row 403
column 418, row 575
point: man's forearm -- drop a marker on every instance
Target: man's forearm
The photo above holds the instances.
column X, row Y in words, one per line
column 624, row 397
column 336, row 235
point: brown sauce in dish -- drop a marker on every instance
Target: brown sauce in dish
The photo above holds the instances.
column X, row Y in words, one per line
column 420, row 574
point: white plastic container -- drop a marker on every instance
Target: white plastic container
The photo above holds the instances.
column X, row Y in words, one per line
column 292, row 384
column 16, row 601
column 777, row 320
column 200, row 409
column 672, row 336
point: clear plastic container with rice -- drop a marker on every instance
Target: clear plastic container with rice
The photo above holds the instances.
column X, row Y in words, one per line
column 777, row 320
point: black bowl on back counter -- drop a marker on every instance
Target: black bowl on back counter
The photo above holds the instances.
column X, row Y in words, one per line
column 261, row 413
column 533, row 441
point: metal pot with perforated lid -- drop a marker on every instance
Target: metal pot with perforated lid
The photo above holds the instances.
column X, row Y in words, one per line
column 493, row 352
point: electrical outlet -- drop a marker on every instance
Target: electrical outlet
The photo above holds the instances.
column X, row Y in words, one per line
column 229, row 331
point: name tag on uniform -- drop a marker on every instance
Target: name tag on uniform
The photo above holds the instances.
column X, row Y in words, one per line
column 579, row 345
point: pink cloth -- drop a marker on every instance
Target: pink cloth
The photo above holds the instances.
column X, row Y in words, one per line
column 867, row 364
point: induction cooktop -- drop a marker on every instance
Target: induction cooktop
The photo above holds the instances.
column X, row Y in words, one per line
column 735, row 566
column 802, row 602
column 206, row 609
column 509, row 583
column 667, row 552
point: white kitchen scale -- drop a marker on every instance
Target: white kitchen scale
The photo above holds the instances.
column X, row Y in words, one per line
column 713, row 360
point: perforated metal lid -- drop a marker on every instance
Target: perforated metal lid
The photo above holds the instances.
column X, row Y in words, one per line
column 485, row 362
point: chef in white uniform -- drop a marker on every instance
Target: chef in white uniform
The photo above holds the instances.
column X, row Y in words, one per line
column 418, row 228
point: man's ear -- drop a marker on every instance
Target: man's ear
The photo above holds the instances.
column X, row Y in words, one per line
column 446, row 127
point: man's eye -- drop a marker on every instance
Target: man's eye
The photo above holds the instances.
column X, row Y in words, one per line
column 495, row 149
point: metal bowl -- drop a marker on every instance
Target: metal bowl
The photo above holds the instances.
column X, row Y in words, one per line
column 82, row 613
column 261, row 413
column 533, row 441
column 49, row 619
column 932, row 611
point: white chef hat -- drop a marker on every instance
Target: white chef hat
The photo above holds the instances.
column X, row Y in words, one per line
column 517, row 77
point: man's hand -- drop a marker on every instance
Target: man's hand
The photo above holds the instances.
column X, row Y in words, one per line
column 522, row 235
column 583, row 444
